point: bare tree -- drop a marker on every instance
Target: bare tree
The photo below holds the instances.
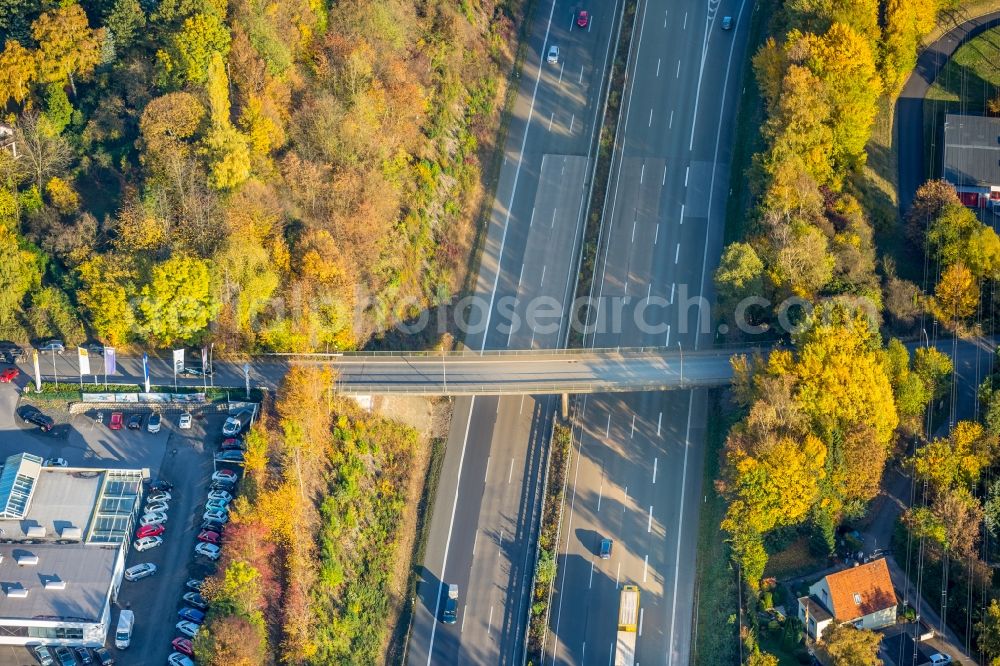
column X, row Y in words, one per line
column 46, row 154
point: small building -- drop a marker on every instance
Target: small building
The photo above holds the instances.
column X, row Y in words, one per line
column 971, row 158
column 64, row 536
column 862, row 596
column 7, row 141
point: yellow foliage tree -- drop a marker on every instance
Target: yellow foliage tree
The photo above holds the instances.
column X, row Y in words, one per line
column 18, row 69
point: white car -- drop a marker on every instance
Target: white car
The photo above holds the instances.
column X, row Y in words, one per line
column 209, row 550
column 184, row 422
column 216, row 505
column 157, row 518
column 178, row 659
column 147, row 543
column 225, row 475
column 159, row 496
column 55, row 462
column 216, row 516
column 220, row 495
column 157, row 507
column 553, row 56
column 189, row 629
column 938, row 659
column 140, row 571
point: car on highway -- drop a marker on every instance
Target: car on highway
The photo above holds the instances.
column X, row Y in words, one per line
column 606, row 546
column 104, row 657
column 84, row 654
column 147, row 543
column 135, row 422
column 159, row 496
column 196, row 600
column 449, row 614
column 9, row 375
column 208, row 536
column 220, row 495
column 234, row 457
column 34, row 416
column 149, row 531
column 153, row 518
column 194, row 584
column 43, row 655
column 55, row 462
column 209, row 550
column 117, row 419
column 65, row 656
column 140, row 571
column 153, row 424
column 191, row 615
column 727, row 22
column 225, row 475
column 216, row 516
column 183, row 645
column 582, row 18
column 56, row 346
column 553, row 56
column 178, row 659
column 184, row 422
column 189, row 629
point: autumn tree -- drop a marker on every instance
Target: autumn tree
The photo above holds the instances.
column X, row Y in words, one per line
column 848, row 646
column 176, row 303
column 231, row 640
column 20, row 272
column 44, row 154
column 740, row 271
column 105, row 298
column 988, row 633
column 762, row 659
column 18, row 70
column 956, row 294
column 67, row 46
column 190, row 50
column 929, row 202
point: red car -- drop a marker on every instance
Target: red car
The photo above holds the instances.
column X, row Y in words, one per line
column 582, row 19
column 116, row 421
column 9, row 375
column 209, row 536
column 183, row 645
column 149, row 531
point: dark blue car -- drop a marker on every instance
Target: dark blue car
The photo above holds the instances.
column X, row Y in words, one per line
column 191, row 615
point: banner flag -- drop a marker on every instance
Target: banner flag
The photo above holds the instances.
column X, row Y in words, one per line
column 145, row 370
column 110, row 366
column 178, row 361
column 38, row 371
column 84, row 359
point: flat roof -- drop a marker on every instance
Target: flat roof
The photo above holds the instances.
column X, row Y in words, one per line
column 86, row 570
column 971, row 155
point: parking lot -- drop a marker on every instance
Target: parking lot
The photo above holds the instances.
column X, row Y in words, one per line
column 181, row 457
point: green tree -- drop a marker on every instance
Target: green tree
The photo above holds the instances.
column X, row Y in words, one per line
column 125, row 20
column 740, row 271
column 176, row 303
column 20, row 272
column 105, row 298
column 988, row 633
column 190, row 50
column 848, row 646
column 934, row 367
column 67, row 46
column 762, row 659
column 58, row 110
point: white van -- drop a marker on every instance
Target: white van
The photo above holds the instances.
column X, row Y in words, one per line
column 123, row 636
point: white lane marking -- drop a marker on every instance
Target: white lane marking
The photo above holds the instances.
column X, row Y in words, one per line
column 489, row 627
column 634, row 223
column 631, row 435
column 475, row 541
column 649, row 522
column 590, row 24
column 678, row 75
column 618, row 576
column 607, row 430
column 590, row 583
column 500, row 546
column 682, row 213
column 510, row 474
column 600, row 494
column 650, row 117
column 658, row 67
column 687, row 172
column 664, row 181
column 465, row 613
column 673, row 287
column 655, row 461
column 642, row 173
column 522, row 400
column 677, row 253
column 659, row 421
column 486, row 475
column 580, row 80
column 645, row 567
column 520, row 275
column 667, row 343
column 680, row 514
column 554, row 211
column 531, row 220
column 685, row 21
column 666, row 13
column 572, row 120
column 542, row 281
column 552, row 117
column 649, row 290
column 625, row 503
column 562, row 66
column 656, row 235
column 671, row 124
column 641, row 610
column 626, row 286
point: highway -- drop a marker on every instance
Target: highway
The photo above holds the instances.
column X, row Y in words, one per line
column 636, row 473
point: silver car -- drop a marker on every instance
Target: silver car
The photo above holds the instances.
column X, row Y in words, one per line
column 553, row 57
column 140, row 571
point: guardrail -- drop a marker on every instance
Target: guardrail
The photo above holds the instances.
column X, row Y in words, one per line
column 527, row 387
column 721, row 350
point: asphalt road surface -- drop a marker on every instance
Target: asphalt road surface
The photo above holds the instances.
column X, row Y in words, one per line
column 913, row 168
column 636, row 476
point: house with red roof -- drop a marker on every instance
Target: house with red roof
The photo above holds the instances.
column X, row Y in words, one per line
column 862, row 596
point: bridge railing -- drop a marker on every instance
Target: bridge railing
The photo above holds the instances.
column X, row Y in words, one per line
column 527, row 388
column 549, row 353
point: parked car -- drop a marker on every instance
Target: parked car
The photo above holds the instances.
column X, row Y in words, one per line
column 104, row 657
column 32, row 415
column 84, row 654
column 235, row 457
column 65, row 656
column 140, row 571
column 209, row 536
column 56, row 346
column 225, row 475
column 606, row 546
column 232, row 444
column 223, row 485
column 178, row 659
column 196, row 600
column 135, row 422
column 153, row 424
column 43, row 654
column 191, row 615
column 216, row 516
column 189, row 629
column 938, row 659
column 553, row 56
column 157, row 507
column 9, row 375
column 216, row 505
column 55, row 462
column 147, row 543
column 11, row 352
column 149, row 531
column 209, row 550
column 583, row 18
column 450, row 611
column 209, row 526
column 183, row 645
column 184, row 422
column 194, row 584
column 159, row 496
column 160, row 485
column 153, row 518
column 220, row 495
column 117, row 418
